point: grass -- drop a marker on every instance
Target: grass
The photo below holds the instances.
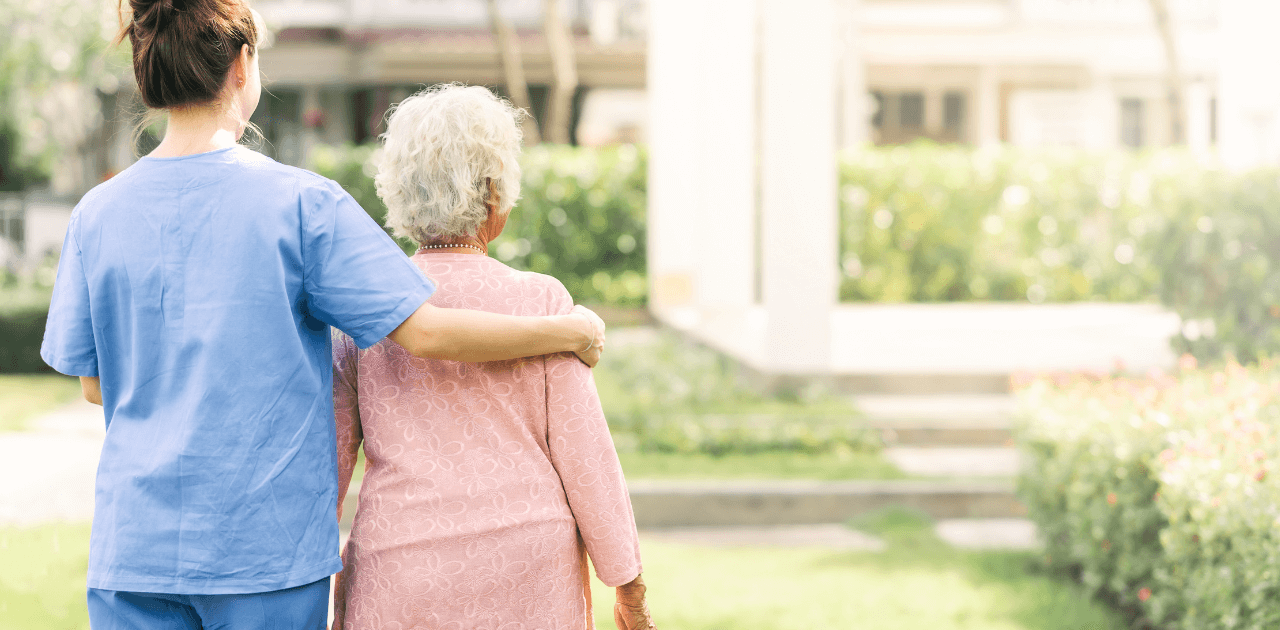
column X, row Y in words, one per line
column 25, row 396
column 42, row 577
column 918, row 583
column 765, row 465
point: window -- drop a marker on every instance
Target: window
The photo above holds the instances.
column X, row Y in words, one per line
column 877, row 119
column 953, row 116
column 911, row 110
column 1131, row 122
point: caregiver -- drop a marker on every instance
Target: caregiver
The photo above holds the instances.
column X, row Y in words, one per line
column 199, row 286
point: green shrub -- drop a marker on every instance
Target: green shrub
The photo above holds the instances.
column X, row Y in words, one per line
column 662, row 393
column 23, row 312
column 930, row 223
column 1160, row 493
column 1219, row 255
column 580, row 218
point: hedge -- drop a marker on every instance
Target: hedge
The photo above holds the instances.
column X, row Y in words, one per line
column 927, row 223
column 1162, row 494
column 22, row 319
column 581, row 216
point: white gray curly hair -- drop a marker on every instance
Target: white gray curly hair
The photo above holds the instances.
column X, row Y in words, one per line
column 447, row 149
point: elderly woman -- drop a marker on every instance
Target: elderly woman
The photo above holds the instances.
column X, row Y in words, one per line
column 487, row 484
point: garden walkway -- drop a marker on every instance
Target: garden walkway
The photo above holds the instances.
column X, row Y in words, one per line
column 49, row 470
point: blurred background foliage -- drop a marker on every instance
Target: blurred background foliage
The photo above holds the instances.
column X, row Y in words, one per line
column 932, row 223
column 1162, row 494
column 664, row 393
column 581, row 216
column 55, row 66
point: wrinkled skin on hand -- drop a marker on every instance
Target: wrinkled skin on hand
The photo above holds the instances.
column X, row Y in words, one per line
column 631, row 612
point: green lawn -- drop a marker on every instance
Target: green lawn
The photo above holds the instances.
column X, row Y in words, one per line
column 917, row 584
column 42, row 573
column 766, row 465
column 24, row 396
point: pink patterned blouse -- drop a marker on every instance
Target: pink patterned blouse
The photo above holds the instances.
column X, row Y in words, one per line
column 486, row 485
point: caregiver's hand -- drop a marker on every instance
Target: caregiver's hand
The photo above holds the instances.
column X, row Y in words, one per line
column 631, row 612
column 591, row 354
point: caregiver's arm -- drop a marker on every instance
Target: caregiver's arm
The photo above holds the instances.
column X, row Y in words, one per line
column 476, row 336
column 91, row 387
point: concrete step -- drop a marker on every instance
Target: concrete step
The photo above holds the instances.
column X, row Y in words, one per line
column 955, row 462
column 940, row 420
column 962, row 533
column 752, row 503
column 668, row 504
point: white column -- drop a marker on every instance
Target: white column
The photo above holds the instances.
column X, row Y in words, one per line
column 855, row 101
column 702, row 153
column 1198, row 117
column 1248, row 95
column 726, row 152
column 987, row 108
column 674, row 84
column 798, row 184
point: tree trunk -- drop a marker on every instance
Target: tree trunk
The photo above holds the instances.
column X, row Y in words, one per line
column 513, row 70
column 1177, row 91
column 564, row 73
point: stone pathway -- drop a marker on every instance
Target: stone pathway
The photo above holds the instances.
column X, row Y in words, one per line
column 49, row 470
column 833, row 536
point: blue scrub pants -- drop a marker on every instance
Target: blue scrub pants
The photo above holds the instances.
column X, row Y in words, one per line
column 303, row 607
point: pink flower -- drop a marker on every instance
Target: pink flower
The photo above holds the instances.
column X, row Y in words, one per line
column 1187, row 362
column 1111, row 498
column 1144, row 594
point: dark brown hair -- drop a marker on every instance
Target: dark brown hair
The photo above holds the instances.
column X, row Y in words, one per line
column 183, row 49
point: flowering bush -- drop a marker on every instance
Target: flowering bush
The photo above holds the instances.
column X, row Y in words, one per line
column 580, row 217
column 1159, row 493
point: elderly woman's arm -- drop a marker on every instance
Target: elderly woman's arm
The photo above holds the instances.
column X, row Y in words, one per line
column 477, row 336
column 584, row 457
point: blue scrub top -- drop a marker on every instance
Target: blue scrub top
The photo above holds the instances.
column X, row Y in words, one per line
column 201, row 289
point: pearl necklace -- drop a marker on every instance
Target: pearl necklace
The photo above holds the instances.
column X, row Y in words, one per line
column 426, row 247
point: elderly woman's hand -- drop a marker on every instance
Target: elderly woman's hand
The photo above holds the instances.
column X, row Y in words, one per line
column 591, row 354
column 631, row 612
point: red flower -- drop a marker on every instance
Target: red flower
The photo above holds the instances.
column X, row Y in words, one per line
column 1144, row 594
column 1260, row 475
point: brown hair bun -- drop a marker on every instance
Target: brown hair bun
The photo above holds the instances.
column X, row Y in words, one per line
column 183, row 49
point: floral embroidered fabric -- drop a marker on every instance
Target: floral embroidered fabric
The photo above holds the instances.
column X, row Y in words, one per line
column 486, row 485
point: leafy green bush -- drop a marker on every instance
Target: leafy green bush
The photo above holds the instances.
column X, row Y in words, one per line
column 1160, row 493
column 1218, row 250
column 580, row 218
column 665, row 394
column 929, row 223
column 23, row 311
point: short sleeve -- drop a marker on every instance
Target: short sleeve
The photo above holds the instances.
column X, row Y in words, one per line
column 356, row 278
column 68, row 345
